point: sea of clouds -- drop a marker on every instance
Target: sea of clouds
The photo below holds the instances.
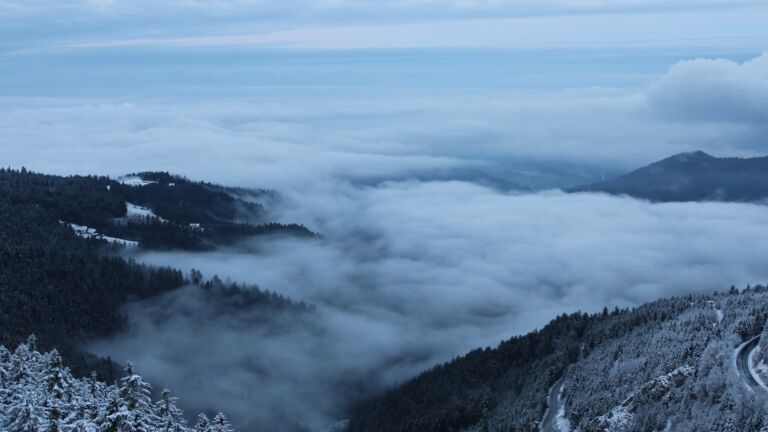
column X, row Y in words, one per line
column 410, row 272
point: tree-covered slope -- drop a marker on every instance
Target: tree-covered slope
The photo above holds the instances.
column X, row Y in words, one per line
column 695, row 176
column 67, row 289
column 667, row 365
column 157, row 210
column 39, row 393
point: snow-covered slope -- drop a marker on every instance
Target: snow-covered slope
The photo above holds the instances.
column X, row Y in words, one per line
column 134, row 181
column 620, row 418
column 86, row 232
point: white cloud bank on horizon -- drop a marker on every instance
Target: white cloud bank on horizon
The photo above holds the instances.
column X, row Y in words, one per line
column 297, row 139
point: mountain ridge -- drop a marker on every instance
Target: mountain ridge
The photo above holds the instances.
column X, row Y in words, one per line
column 665, row 365
column 691, row 176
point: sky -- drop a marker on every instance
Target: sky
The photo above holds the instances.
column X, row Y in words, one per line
column 185, row 48
column 402, row 132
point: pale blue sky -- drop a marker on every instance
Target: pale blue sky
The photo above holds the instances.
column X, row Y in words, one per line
column 149, row 49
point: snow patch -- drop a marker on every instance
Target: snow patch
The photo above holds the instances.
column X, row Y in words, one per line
column 620, row 417
column 87, row 232
column 137, row 211
column 134, row 181
column 562, row 422
column 753, row 370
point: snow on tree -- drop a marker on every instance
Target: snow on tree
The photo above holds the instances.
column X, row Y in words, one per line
column 220, row 424
column 170, row 417
column 203, row 424
column 38, row 393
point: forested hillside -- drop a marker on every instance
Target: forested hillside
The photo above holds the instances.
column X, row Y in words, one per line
column 38, row 393
column 67, row 288
column 150, row 210
column 667, row 365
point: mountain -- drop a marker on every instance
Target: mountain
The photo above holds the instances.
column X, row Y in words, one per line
column 695, row 176
column 668, row 365
column 150, row 210
column 515, row 175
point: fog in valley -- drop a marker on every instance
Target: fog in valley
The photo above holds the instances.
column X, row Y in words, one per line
column 442, row 226
column 412, row 274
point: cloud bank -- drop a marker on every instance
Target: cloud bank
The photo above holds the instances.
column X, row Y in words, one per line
column 715, row 91
column 282, row 138
column 412, row 274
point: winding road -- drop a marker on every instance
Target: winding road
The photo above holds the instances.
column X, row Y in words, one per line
column 742, row 363
column 549, row 422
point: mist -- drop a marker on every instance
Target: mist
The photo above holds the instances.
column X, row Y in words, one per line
column 411, row 274
column 417, row 264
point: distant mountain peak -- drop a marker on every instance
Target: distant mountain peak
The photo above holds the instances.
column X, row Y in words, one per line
column 691, row 156
column 692, row 176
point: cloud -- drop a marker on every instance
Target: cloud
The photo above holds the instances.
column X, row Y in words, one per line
column 375, row 24
column 358, row 7
column 301, row 137
column 412, row 274
column 574, row 31
column 714, row 91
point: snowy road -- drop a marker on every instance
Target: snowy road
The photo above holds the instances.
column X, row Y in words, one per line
column 742, row 363
column 549, row 422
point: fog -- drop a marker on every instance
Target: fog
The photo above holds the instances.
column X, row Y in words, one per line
column 416, row 264
column 293, row 137
column 410, row 274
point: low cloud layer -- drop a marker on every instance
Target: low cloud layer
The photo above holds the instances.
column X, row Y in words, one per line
column 412, row 274
column 284, row 138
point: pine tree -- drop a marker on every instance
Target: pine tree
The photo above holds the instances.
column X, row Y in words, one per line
column 203, row 424
column 54, row 418
column 764, row 343
column 115, row 418
column 134, row 392
column 58, row 384
column 221, row 424
column 135, row 401
column 25, row 414
column 20, row 364
column 5, row 362
column 170, row 417
column 39, row 394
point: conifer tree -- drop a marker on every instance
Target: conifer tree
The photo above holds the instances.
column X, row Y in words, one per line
column 220, row 424
column 170, row 417
column 39, row 394
column 203, row 424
